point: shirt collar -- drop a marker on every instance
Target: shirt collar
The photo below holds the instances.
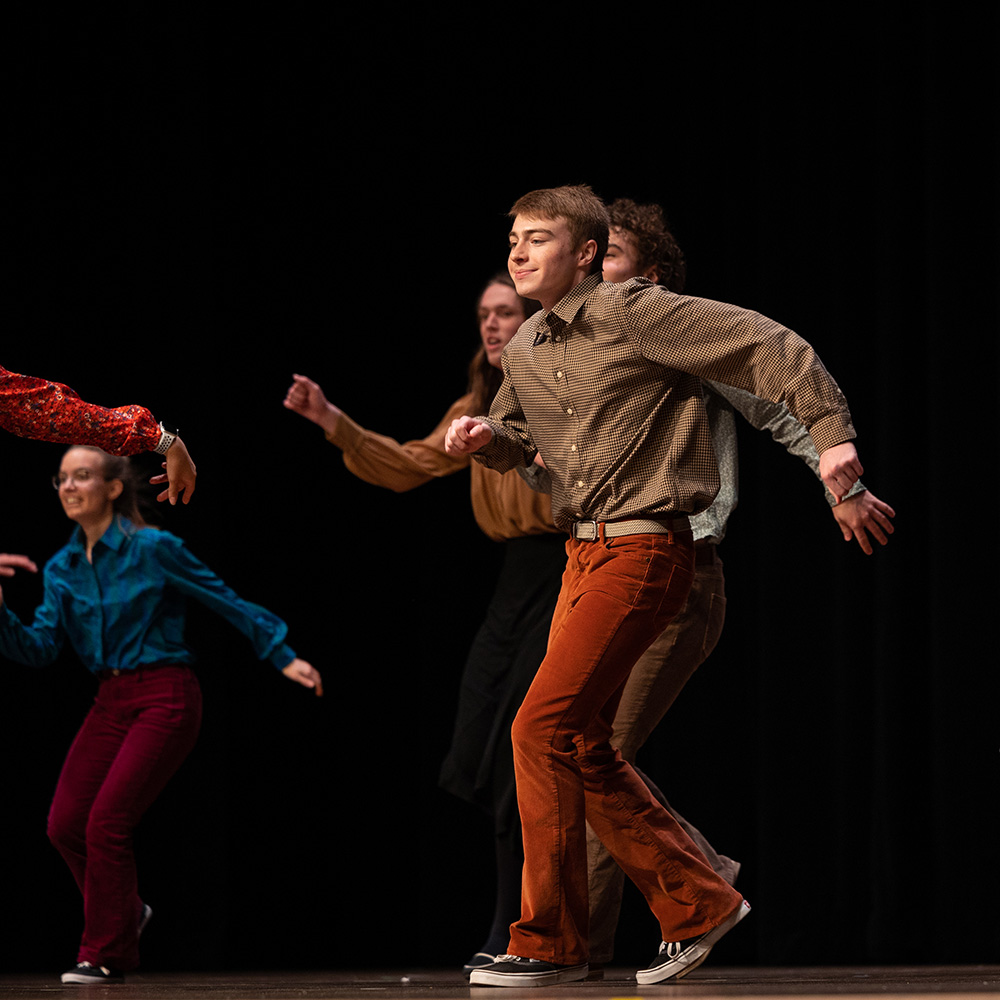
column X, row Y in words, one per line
column 113, row 538
column 569, row 305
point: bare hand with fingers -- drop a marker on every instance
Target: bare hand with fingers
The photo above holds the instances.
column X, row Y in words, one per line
column 840, row 468
column 306, row 398
column 864, row 514
column 305, row 674
column 467, row 435
column 180, row 474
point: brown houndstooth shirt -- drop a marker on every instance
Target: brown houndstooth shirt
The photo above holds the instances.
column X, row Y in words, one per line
column 606, row 386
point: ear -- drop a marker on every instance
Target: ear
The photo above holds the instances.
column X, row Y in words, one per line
column 653, row 273
column 587, row 253
column 115, row 489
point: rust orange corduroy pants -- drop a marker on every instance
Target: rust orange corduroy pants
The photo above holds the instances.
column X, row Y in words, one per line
column 617, row 596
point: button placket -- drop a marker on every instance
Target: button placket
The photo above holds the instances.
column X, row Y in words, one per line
column 563, row 391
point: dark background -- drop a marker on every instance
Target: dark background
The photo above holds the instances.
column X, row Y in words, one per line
column 196, row 209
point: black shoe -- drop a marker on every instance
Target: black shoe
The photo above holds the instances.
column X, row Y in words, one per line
column 145, row 915
column 677, row 958
column 87, row 973
column 478, row 961
column 511, row 970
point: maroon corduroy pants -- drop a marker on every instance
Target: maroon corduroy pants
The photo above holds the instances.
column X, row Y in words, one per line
column 140, row 728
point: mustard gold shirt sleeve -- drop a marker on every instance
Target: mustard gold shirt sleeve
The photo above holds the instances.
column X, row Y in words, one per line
column 383, row 461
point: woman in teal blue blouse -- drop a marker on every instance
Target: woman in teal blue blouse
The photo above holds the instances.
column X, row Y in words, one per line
column 117, row 591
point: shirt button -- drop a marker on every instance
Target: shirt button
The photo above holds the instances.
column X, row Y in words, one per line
column 572, row 447
column 559, row 374
column 579, row 484
column 569, row 410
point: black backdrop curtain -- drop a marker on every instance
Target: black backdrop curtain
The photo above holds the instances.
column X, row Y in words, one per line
column 200, row 209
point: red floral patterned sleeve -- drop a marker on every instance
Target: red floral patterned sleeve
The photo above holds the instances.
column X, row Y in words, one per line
column 49, row 411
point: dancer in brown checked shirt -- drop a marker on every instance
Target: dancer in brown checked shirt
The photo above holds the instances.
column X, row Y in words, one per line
column 605, row 385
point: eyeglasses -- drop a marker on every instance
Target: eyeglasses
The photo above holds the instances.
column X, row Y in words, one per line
column 78, row 476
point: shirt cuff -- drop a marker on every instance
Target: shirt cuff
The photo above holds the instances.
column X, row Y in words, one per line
column 832, row 430
column 282, row 656
column 348, row 435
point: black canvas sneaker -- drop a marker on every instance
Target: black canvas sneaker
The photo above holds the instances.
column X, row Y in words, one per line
column 87, row 973
column 677, row 958
column 511, row 970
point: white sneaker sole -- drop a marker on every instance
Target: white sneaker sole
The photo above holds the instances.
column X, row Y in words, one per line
column 677, row 968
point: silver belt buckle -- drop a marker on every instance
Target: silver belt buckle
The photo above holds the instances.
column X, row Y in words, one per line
column 586, row 531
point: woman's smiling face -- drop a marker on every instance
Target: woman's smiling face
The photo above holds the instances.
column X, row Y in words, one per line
column 85, row 494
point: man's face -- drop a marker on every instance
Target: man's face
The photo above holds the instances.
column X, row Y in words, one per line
column 621, row 262
column 543, row 261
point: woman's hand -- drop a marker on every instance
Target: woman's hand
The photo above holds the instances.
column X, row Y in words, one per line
column 9, row 563
column 305, row 674
column 306, row 398
column 180, row 474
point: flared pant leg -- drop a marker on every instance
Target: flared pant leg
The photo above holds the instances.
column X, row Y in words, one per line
column 140, row 729
column 617, row 597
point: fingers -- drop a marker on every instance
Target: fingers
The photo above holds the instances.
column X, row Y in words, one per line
column 10, row 562
column 306, row 398
column 181, row 474
column 305, row 674
column 182, row 490
column 875, row 519
column 840, row 468
column 865, row 514
column 466, row 435
column 300, row 393
column 840, row 480
column 186, row 486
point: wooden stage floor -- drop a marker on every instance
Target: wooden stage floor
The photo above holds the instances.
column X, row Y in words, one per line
column 860, row 983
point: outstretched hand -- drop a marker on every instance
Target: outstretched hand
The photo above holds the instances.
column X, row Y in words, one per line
column 306, row 398
column 9, row 563
column 466, row 435
column 863, row 513
column 180, row 474
column 305, row 674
